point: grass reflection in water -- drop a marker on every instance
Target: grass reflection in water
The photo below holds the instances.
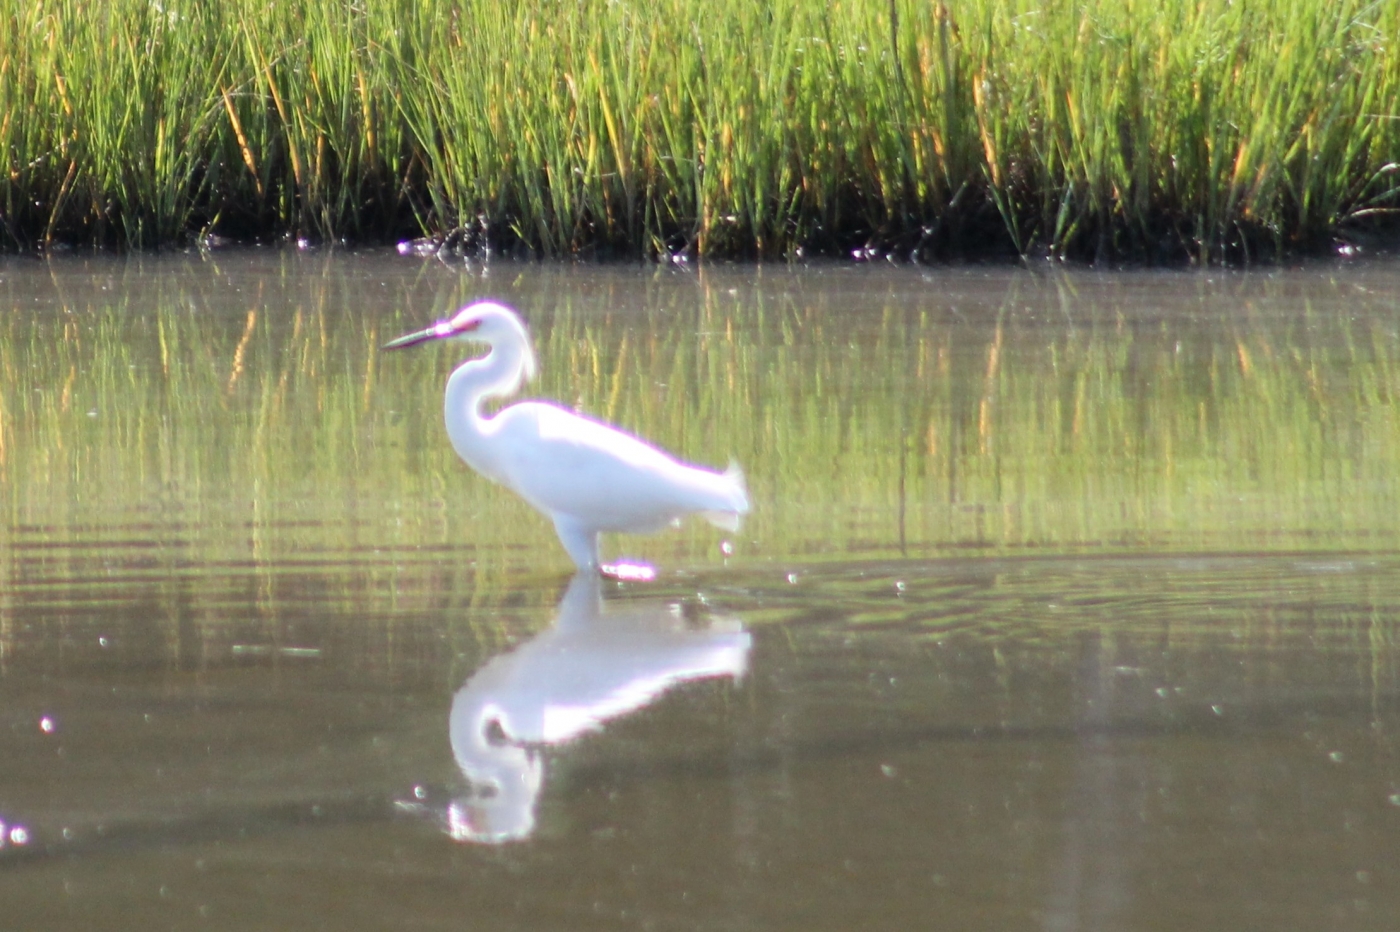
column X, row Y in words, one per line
column 243, row 415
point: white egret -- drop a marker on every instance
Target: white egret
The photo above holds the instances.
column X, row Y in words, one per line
column 586, row 476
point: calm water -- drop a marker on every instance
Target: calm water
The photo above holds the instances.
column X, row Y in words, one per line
column 1069, row 601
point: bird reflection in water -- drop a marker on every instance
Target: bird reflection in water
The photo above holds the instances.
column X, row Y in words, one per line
column 597, row 662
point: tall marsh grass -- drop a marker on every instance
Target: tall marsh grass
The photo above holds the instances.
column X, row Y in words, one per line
column 1171, row 129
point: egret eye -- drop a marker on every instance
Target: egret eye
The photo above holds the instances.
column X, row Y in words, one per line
column 495, row 733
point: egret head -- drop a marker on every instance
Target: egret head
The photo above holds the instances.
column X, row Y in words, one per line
column 483, row 322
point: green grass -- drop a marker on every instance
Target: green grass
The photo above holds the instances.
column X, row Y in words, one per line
column 1163, row 130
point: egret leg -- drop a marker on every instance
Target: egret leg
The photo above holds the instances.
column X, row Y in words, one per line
column 580, row 542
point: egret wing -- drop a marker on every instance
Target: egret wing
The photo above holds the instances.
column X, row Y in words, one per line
column 564, row 463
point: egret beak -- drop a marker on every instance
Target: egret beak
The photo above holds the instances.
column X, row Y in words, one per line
column 438, row 331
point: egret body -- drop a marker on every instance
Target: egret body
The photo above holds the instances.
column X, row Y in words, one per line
column 586, row 476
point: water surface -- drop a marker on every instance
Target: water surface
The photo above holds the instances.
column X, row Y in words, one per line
column 1069, row 601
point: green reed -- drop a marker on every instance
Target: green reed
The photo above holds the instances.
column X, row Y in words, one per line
column 1206, row 129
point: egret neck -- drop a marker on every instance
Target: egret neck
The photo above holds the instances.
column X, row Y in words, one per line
column 498, row 374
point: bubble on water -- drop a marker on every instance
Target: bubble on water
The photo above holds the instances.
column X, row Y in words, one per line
column 792, row 579
column 1335, row 757
column 47, row 725
column 726, row 548
column 1395, row 799
column 19, row 835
